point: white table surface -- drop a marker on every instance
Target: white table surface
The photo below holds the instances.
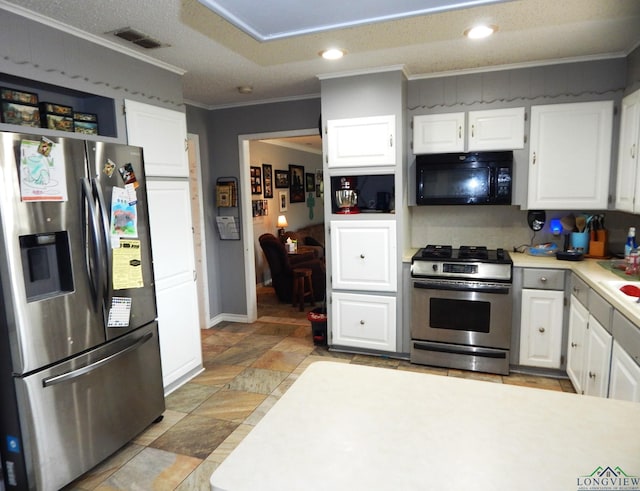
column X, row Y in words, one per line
column 351, row 427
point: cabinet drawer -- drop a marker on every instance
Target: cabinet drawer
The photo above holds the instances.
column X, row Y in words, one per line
column 580, row 290
column 627, row 335
column 543, row 279
column 600, row 309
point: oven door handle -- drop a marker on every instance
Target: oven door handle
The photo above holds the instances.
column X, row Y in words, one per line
column 500, row 290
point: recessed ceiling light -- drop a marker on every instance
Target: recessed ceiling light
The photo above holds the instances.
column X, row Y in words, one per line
column 332, row 54
column 481, row 31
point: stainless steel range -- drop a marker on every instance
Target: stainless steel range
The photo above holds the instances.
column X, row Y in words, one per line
column 461, row 310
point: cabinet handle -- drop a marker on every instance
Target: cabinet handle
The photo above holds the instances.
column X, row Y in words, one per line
column 391, row 140
column 633, row 151
column 361, row 256
column 592, row 375
column 362, row 323
column 534, row 158
column 541, row 329
column 473, row 131
column 543, row 279
column 574, row 345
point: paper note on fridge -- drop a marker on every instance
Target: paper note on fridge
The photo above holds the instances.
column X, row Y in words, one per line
column 127, row 265
column 124, row 215
column 42, row 173
column 120, row 312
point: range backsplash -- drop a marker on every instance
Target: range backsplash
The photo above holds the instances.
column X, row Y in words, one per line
column 499, row 226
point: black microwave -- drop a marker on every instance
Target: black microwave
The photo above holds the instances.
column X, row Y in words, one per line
column 479, row 178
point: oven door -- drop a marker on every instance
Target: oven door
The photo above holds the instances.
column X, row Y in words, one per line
column 473, row 314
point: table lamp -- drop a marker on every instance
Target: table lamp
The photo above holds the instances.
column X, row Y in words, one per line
column 282, row 224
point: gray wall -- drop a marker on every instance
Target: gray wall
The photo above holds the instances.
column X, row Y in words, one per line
column 297, row 214
column 226, row 257
column 633, row 71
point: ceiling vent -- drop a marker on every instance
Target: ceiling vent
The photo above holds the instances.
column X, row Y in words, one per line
column 137, row 37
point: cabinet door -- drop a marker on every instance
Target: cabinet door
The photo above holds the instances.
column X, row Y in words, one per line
column 627, row 173
column 363, row 255
column 438, row 133
column 570, row 156
column 624, row 381
column 162, row 133
column 578, row 320
column 597, row 359
column 363, row 321
column 361, row 142
column 541, row 329
column 496, row 129
column 174, row 270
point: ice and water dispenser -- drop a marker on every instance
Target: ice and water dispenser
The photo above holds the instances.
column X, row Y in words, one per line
column 46, row 265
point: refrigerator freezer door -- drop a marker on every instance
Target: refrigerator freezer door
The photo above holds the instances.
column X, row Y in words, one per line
column 110, row 167
column 47, row 291
column 79, row 412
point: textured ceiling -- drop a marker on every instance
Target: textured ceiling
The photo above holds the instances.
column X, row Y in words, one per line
column 218, row 57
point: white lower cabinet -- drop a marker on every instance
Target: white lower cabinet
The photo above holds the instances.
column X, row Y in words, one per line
column 597, row 359
column 541, row 328
column 578, row 320
column 624, row 381
column 588, row 353
column 174, row 271
column 364, row 255
column 364, row 321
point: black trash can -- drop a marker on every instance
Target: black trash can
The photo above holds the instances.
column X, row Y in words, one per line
column 318, row 319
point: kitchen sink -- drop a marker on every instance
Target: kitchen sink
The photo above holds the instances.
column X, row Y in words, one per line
column 614, row 287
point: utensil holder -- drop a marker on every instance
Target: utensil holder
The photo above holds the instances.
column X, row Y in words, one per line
column 580, row 241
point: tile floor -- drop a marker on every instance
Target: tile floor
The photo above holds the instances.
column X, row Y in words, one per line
column 247, row 368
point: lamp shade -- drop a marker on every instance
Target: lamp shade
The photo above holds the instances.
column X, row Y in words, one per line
column 282, row 221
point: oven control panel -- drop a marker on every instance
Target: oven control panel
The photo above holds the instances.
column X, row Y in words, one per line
column 460, row 268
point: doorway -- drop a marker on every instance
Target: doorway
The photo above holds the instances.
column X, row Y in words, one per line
column 284, row 138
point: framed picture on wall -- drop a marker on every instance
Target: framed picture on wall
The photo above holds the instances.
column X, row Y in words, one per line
column 310, row 182
column 296, row 183
column 282, row 179
column 267, row 180
column 256, row 180
column 282, row 199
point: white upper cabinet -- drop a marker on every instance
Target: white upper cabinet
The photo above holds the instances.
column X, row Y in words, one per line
column 628, row 178
column 163, row 135
column 361, row 142
column 492, row 129
column 570, row 156
column 438, row 133
column 496, row 129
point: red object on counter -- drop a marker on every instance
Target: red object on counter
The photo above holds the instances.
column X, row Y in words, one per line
column 631, row 290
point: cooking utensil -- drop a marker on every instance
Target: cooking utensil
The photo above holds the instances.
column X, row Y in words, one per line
column 581, row 223
column 568, row 223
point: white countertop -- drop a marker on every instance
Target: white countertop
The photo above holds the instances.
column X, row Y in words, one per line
column 351, row 427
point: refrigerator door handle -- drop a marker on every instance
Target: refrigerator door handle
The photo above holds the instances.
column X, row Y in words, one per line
column 70, row 376
column 95, row 276
column 97, row 191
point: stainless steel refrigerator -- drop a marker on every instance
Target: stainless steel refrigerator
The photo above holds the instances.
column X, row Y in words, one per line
column 80, row 371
